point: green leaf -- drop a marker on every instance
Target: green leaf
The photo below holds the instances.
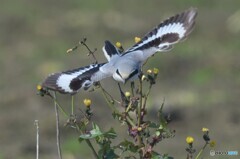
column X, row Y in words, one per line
column 156, row 155
column 152, row 124
column 111, row 134
column 95, row 132
column 110, row 154
column 127, row 146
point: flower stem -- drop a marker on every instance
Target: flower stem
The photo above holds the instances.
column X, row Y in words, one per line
column 146, row 96
column 59, row 106
column 201, row 151
column 37, row 138
column 89, row 143
column 57, row 128
column 129, row 120
column 139, row 113
column 110, row 104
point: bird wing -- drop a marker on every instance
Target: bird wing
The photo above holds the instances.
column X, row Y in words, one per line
column 109, row 50
column 71, row 81
column 167, row 33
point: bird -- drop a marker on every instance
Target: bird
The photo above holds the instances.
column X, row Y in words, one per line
column 126, row 65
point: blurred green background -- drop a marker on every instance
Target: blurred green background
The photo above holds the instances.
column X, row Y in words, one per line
column 199, row 79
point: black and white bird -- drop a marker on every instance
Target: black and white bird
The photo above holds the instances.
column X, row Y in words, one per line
column 127, row 65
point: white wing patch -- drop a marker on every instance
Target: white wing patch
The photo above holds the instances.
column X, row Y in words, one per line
column 64, row 80
column 167, row 33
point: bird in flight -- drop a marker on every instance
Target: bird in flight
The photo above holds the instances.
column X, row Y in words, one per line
column 127, row 65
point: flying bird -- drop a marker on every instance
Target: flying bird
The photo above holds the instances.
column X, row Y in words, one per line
column 127, row 65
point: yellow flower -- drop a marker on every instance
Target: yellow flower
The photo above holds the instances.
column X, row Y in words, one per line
column 127, row 94
column 149, row 71
column 155, row 71
column 87, row 102
column 139, row 128
column 39, row 87
column 205, row 130
column 189, row 139
column 118, row 44
column 212, row 143
column 137, row 39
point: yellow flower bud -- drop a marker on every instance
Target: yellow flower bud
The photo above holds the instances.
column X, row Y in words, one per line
column 127, row 94
column 139, row 128
column 212, row 143
column 143, row 77
column 118, row 44
column 155, row 71
column 205, row 130
column 149, row 71
column 39, row 87
column 137, row 39
column 69, row 50
column 87, row 102
column 189, row 140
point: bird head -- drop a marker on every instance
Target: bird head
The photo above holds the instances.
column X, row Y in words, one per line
column 123, row 74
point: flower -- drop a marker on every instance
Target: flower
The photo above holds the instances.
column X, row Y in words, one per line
column 87, row 102
column 39, row 87
column 143, row 77
column 205, row 130
column 69, row 50
column 155, row 71
column 212, row 143
column 139, row 128
column 189, row 139
column 137, row 39
column 118, row 44
column 127, row 94
column 149, row 71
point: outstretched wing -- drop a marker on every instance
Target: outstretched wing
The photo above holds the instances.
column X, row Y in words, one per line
column 70, row 82
column 167, row 33
column 109, row 50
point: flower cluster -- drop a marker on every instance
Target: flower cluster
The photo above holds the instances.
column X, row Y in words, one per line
column 190, row 140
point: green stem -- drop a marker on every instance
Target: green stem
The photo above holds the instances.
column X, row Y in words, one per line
column 59, row 106
column 57, row 129
column 129, row 120
column 139, row 111
column 146, row 96
column 89, row 143
column 110, row 104
column 201, row 151
column 92, row 148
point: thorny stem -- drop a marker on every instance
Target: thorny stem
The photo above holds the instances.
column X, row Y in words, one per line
column 139, row 112
column 89, row 143
column 146, row 96
column 83, row 42
column 57, row 127
column 201, row 151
